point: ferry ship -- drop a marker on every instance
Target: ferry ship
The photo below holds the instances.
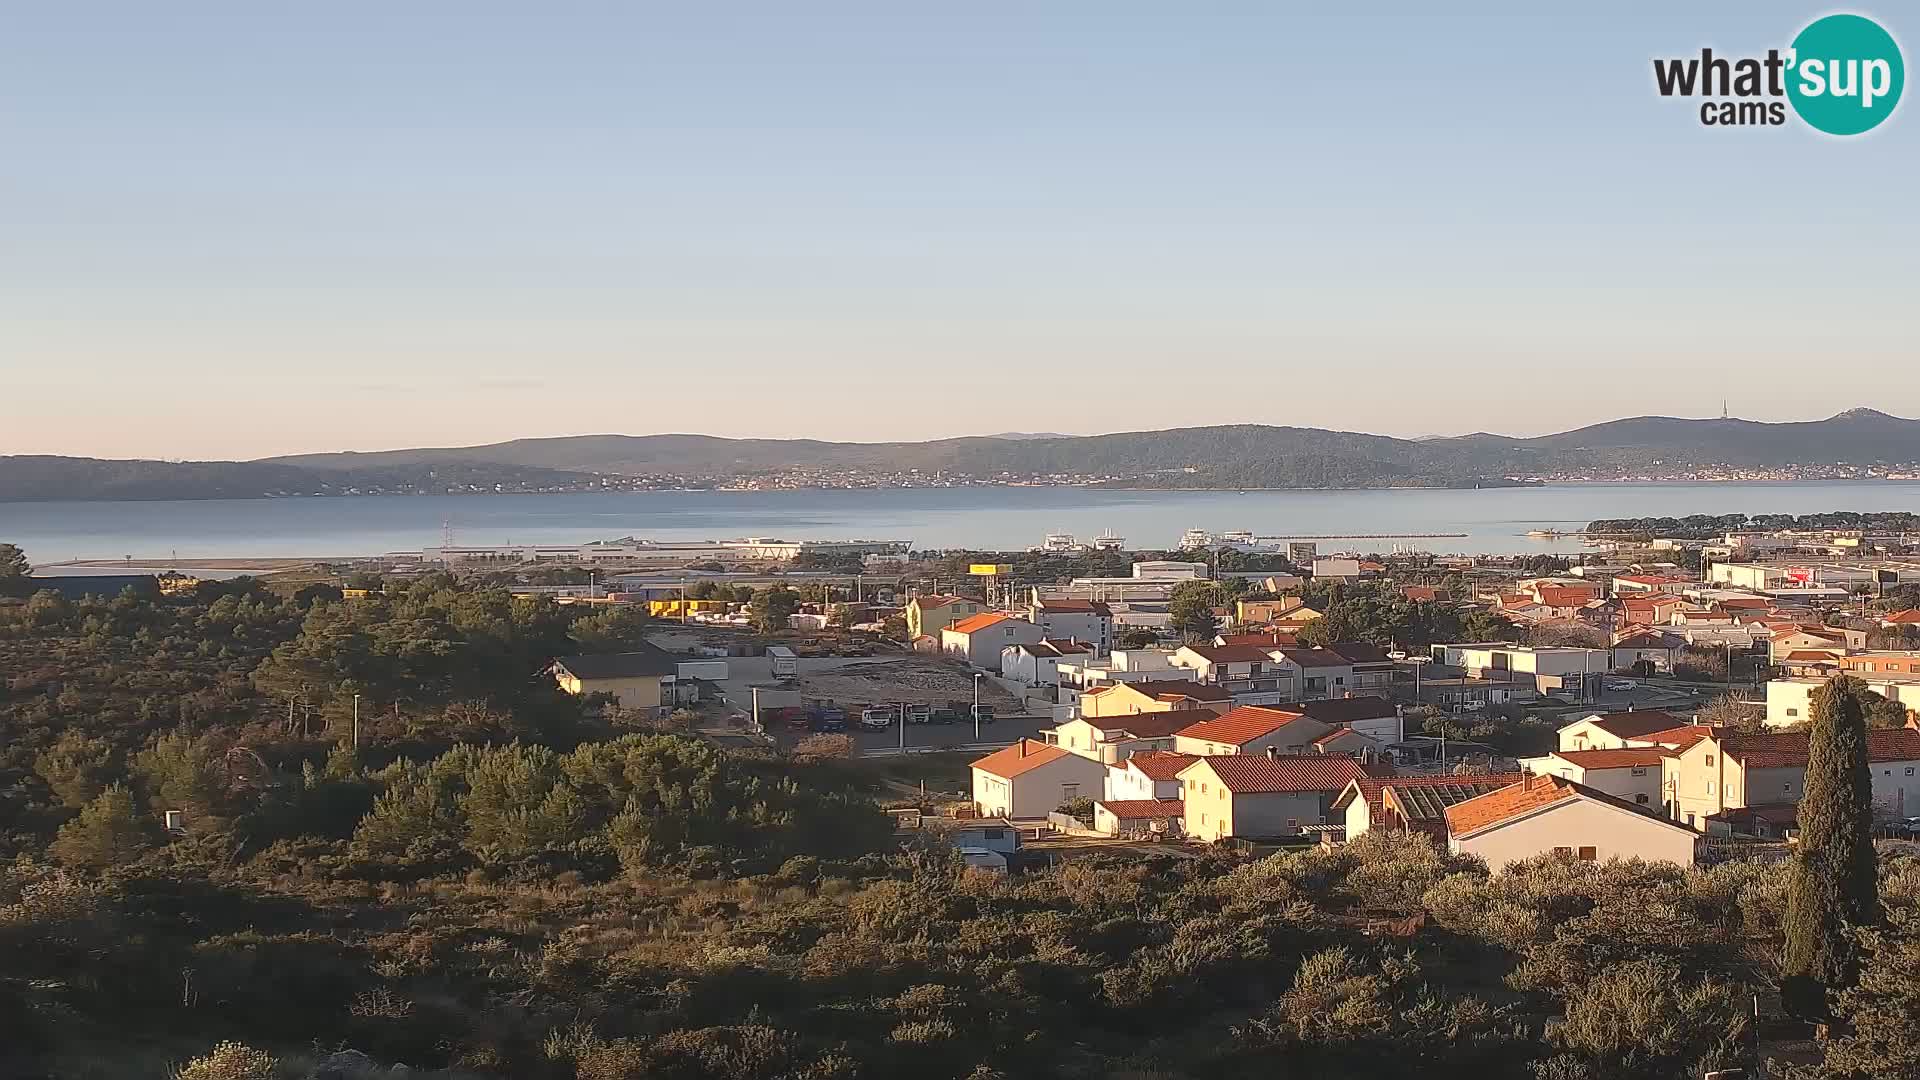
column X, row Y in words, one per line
column 1196, row 538
column 1107, row 541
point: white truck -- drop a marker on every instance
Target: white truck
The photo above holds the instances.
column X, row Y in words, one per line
column 785, row 664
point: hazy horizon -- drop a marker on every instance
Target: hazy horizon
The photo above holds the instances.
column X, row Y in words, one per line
column 232, row 233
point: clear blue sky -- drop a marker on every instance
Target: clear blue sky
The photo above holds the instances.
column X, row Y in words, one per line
column 231, row 230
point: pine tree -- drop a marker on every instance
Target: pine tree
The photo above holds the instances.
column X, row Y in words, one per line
column 110, row 831
column 1834, row 884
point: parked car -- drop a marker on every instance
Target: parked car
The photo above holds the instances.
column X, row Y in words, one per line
column 943, row 716
column 1473, row 706
column 1620, row 684
column 919, row 714
column 984, row 713
column 876, row 718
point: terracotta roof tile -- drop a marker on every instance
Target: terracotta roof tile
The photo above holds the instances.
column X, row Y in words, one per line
column 1507, row 803
column 1169, row 688
column 975, row 623
column 1144, row 809
column 1023, row 756
column 1630, row 725
column 1258, row 774
column 1310, row 658
column 1241, row 725
column 1160, row 764
column 1152, row 725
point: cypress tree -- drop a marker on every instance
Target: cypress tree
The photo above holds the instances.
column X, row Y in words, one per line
column 1834, row 883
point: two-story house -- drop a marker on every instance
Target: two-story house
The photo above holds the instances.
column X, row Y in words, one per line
column 1251, row 674
column 979, row 640
column 1089, row 621
column 1113, row 739
column 1122, row 699
column 928, row 615
column 1725, row 770
column 1254, row 795
column 1252, row 729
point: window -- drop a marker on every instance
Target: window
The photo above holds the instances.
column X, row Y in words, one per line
column 1069, row 792
column 1709, row 759
column 1588, row 854
column 1641, row 799
column 1709, row 787
column 1793, row 712
column 1223, row 794
column 1563, row 851
column 1293, row 823
column 1639, row 770
column 1787, row 787
column 995, row 834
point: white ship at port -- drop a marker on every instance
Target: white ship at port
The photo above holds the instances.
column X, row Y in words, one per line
column 1058, row 542
column 1107, row 541
column 1196, row 538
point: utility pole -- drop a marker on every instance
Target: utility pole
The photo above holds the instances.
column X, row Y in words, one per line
column 976, row 705
column 356, row 723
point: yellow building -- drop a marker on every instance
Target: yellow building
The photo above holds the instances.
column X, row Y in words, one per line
column 931, row 614
column 636, row 680
column 1127, row 699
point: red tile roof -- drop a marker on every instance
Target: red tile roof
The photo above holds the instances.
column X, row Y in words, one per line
column 1911, row 615
column 1420, row 594
column 1242, row 725
column 1632, row 725
column 935, row 600
column 1144, row 809
column 1160, row 764
column 1812, row 656
column 1639, row 756
column 979, row 622
column 1258, row 774
column 1270, row 637
column 1023, row 756
column 1681, row 737
column 1152, row 725
column 1507, row 803
column 1533, row 793
column 1086, row 607
column 1788, row 749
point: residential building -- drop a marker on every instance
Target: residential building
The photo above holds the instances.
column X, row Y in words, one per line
column 1251, row 729
column 1252, row 674
column 1323, row 673
column 1121, row 665
column 641, row 679
column 1375, row 717
column 1089, row 621
column 1615, row 730
column 1149, row 774
column 1645, row 651
column 1633, row 774
column 1121, row 699
column 1327, row 568
column 1031, row 779
column 1410, row 803
column 1113, row 739
column 1726, row 770
column 1790, row 701
column 1254, row 795
column 1038, row 664
column 979, row 639
column 1542, row 814
column 1372, row 669
column 1542, row 669
column 928, row 615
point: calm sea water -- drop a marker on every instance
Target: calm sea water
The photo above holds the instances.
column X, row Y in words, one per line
column 1494, row 521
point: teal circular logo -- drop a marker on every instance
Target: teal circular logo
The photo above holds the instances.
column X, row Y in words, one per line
column 1845, row 75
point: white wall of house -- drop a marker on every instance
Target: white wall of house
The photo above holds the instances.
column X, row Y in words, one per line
column 1127, row 783
column 1038, row 791
column 981, row 648
column 1637, row 784
column 1612, row 833
column 1586, row 735
column 1359, row 817
column 1090, row 627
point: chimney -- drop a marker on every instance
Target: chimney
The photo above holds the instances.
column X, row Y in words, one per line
column 1273, row 752
column 1023, row 748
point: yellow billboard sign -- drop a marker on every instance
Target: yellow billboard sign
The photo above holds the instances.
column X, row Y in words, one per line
column 990, row 569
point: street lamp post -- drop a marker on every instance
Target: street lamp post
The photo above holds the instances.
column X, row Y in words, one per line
column 977, row 676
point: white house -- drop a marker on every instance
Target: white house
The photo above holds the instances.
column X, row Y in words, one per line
column 1251, row 729
column 1544, row 814
column 1633, row 774
column 979, row 639
column 1090, row 621
column 1410, row 803
column 1031, row 779
column 1112, row 739
column 1375, row 717
column 1252, row 674
column 1038, row 664
column 1150, row 774
column 1251, row 795
column 1790, row 701
column 1615, row 731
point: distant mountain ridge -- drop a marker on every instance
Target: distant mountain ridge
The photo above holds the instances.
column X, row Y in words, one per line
column 1228, row 456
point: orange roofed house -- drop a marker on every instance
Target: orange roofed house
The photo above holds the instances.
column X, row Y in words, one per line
column 1256, row 795
column 1031, row 779
column 1153, row 695
column 1542, row 814
column 1410, row 803
column 979, row 639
